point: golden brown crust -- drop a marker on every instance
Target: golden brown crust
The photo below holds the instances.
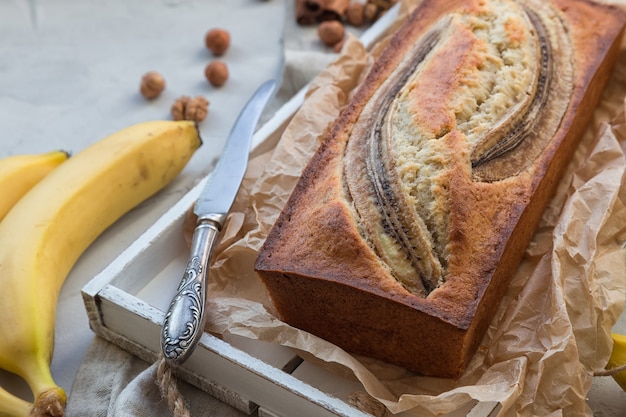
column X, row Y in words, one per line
column 325, row 276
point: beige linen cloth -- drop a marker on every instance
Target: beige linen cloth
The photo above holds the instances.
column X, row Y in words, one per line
column 551, row 332
column 112, row 382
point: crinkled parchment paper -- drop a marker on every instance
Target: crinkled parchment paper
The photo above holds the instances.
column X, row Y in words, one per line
column 552, row 330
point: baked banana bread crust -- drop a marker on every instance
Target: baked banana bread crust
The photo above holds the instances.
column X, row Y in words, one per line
column 402, row 234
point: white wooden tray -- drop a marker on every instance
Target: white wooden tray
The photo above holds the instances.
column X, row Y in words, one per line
column 126, row 304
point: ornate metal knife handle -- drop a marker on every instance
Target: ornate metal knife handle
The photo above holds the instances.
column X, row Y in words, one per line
column 184, row 322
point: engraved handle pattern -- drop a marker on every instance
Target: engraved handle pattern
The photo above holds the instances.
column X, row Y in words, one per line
column 185, row 319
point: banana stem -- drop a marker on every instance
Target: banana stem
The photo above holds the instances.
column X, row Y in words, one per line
column 50, row 403
column 50, row 399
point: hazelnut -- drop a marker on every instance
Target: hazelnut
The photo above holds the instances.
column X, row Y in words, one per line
column 186, row 108
column 330, row 32
column 216, row 73
column 218, row 41
column 355, row 14
column 152, row 84
column 371, row 12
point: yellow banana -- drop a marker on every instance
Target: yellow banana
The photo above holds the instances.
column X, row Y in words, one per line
column 50, row 227
column 618, row 358
column 11, row 405
column 19, row 173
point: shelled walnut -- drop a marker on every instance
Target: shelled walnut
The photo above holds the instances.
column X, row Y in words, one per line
column 187, row 108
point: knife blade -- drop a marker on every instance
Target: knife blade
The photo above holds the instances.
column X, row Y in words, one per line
column 185, row 319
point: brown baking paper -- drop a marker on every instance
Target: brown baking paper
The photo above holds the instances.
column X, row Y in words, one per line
column 552, row 330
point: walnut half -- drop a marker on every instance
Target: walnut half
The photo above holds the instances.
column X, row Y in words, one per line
column 187, row 108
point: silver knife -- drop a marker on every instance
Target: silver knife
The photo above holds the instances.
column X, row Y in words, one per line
column 185, row 319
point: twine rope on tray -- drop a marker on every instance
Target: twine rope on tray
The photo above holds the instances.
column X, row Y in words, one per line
column 611, row 371
column 168, row 386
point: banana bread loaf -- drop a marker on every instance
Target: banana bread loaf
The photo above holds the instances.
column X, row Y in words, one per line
column 402, row 234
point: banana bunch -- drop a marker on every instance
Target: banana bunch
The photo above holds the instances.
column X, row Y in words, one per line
column 11, row 405
column 49, row 228
column 618, row 358
column 19, row 173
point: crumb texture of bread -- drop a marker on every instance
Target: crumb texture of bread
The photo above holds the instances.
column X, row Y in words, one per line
column 471, row 94
column 402, row 234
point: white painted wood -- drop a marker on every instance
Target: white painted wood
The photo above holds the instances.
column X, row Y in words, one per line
column 217, row 367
